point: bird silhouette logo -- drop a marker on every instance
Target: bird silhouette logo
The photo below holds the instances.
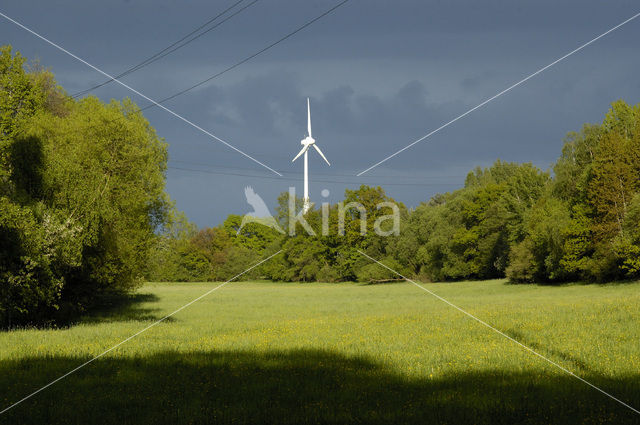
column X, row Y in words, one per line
column 260, row 213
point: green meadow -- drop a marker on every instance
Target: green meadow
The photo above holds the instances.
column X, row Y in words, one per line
column 290, row 353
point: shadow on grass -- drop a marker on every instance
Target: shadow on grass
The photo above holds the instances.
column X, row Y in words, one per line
column 578, row 364
column 123, row 308
column 296, row 387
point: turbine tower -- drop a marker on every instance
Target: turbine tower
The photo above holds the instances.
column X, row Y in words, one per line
column 306, row 143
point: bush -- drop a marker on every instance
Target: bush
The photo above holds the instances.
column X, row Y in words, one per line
column 29, row 290
column 521, row 263
column 328, row 274
column 374, row 272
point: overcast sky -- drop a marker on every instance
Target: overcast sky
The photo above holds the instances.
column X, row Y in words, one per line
column 380, row 74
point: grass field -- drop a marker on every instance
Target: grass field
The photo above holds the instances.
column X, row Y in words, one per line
column 256, row 352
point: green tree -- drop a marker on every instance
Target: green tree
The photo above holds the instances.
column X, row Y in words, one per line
column 469, row 233
column 104, row 168
column 82, row 193
column 167, row 260
column 20, row 99
column 539, row 256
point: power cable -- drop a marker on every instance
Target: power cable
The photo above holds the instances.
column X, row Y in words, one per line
column 173, row 47
column 316, row 180
column 215, row 166
column 248, row 58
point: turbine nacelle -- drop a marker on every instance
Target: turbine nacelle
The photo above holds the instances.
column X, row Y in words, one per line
column 307, row 141
column 306, row 144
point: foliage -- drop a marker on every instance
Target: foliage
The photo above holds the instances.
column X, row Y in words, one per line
column 376, row 273
column 185, row 254
column 538, row 257
column 517, row 221
column 469, row 233
column 597, row 180
column 82, row 189
column 221, row 252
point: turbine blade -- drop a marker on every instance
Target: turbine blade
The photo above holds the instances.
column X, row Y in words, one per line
column 308, row 118
column 303, row 150
column 321, row 154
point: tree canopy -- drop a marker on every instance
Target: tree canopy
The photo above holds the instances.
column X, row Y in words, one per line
column 81, row 195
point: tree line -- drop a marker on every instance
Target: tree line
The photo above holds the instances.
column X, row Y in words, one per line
column 184, row 253
column 576, row 222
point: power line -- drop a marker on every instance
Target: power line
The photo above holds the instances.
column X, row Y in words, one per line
column 248, row 58
column 162, row 53
column 174, row 46
column 297, row 179
column 216, row 166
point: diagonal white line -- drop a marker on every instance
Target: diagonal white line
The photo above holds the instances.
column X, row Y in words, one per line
column 139, row 94
column 501, row 333
column 501, row 93
column 137, row 333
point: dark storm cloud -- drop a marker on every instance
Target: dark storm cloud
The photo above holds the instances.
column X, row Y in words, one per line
column 380, row 74
column 268, row 113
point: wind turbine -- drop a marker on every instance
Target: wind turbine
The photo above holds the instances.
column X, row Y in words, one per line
column 306, row 143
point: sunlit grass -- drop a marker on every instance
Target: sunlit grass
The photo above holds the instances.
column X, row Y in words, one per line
column 331, row 341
